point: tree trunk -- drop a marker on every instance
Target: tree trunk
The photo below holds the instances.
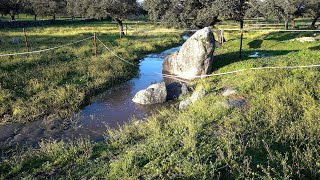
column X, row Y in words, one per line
column 241, row 38
column 293, row 24
column 286, row 24
column 120, row 23
column 313, row 24
column 13, row 17
column 54, row 17
column 35, row 17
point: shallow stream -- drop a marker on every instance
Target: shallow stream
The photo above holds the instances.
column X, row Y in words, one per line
column 112, row 108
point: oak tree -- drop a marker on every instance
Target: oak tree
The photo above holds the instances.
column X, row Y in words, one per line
column 313, row 9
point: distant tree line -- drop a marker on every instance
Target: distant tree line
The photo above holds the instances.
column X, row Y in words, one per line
column 201, row 13
column 174, row 13
column 118, row 10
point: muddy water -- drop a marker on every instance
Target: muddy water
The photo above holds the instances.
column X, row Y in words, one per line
column 111, row 108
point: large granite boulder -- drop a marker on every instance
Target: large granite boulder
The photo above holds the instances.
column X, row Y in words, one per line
column 195, row 57
column 154, row 94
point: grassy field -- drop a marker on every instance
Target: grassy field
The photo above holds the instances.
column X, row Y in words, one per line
column 55, row 84
column 276, row 135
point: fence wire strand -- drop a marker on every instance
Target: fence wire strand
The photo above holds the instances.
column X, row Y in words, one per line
column 242, row 70
column 48, row 49
column 115, row 53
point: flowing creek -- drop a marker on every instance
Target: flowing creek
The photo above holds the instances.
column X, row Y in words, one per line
column 112, row 108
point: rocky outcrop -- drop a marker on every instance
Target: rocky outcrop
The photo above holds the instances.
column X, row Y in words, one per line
column 195, row 57
column 229, row 92
column 234, row 100
column 305, row 39
column 176, row 89
column 154, row 94
column 194, row 97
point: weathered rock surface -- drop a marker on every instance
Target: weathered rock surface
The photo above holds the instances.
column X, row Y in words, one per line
column 238, row 103
column 305, row 39
column 154, row 94
column 229, row 92
column 195, row 57
column 176, row 89
column 194, row 97
column 235, row 103
column 184, row 104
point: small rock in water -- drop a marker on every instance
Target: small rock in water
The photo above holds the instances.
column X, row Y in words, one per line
column 229, row 92
column 154, row 94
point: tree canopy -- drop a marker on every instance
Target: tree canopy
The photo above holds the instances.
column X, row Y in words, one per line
column 313, row 9
column 48, row 7
column 173, row 13
column 11, row 7
column 283, row 9
column 181, row 13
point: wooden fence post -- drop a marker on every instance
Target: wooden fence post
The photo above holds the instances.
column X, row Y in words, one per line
column 26, row 39
column 222, row 37
column 95, row 44
column 241, row 41
column 126, row 29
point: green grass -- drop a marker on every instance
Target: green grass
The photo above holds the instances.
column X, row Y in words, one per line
column 55, row 84
column 275, row 136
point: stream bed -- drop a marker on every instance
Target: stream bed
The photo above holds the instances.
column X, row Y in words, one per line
column 112, row 108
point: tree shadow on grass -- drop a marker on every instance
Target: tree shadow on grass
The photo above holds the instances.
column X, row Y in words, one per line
column 314, row 48
column 284, row 36
column 255, row 44
column 222, row 60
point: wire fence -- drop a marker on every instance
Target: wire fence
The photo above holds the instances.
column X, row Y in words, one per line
column 48, row 49
column 176, row 77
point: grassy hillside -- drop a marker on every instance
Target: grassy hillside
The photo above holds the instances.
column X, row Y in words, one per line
column 55, row 84
column 276, row 135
